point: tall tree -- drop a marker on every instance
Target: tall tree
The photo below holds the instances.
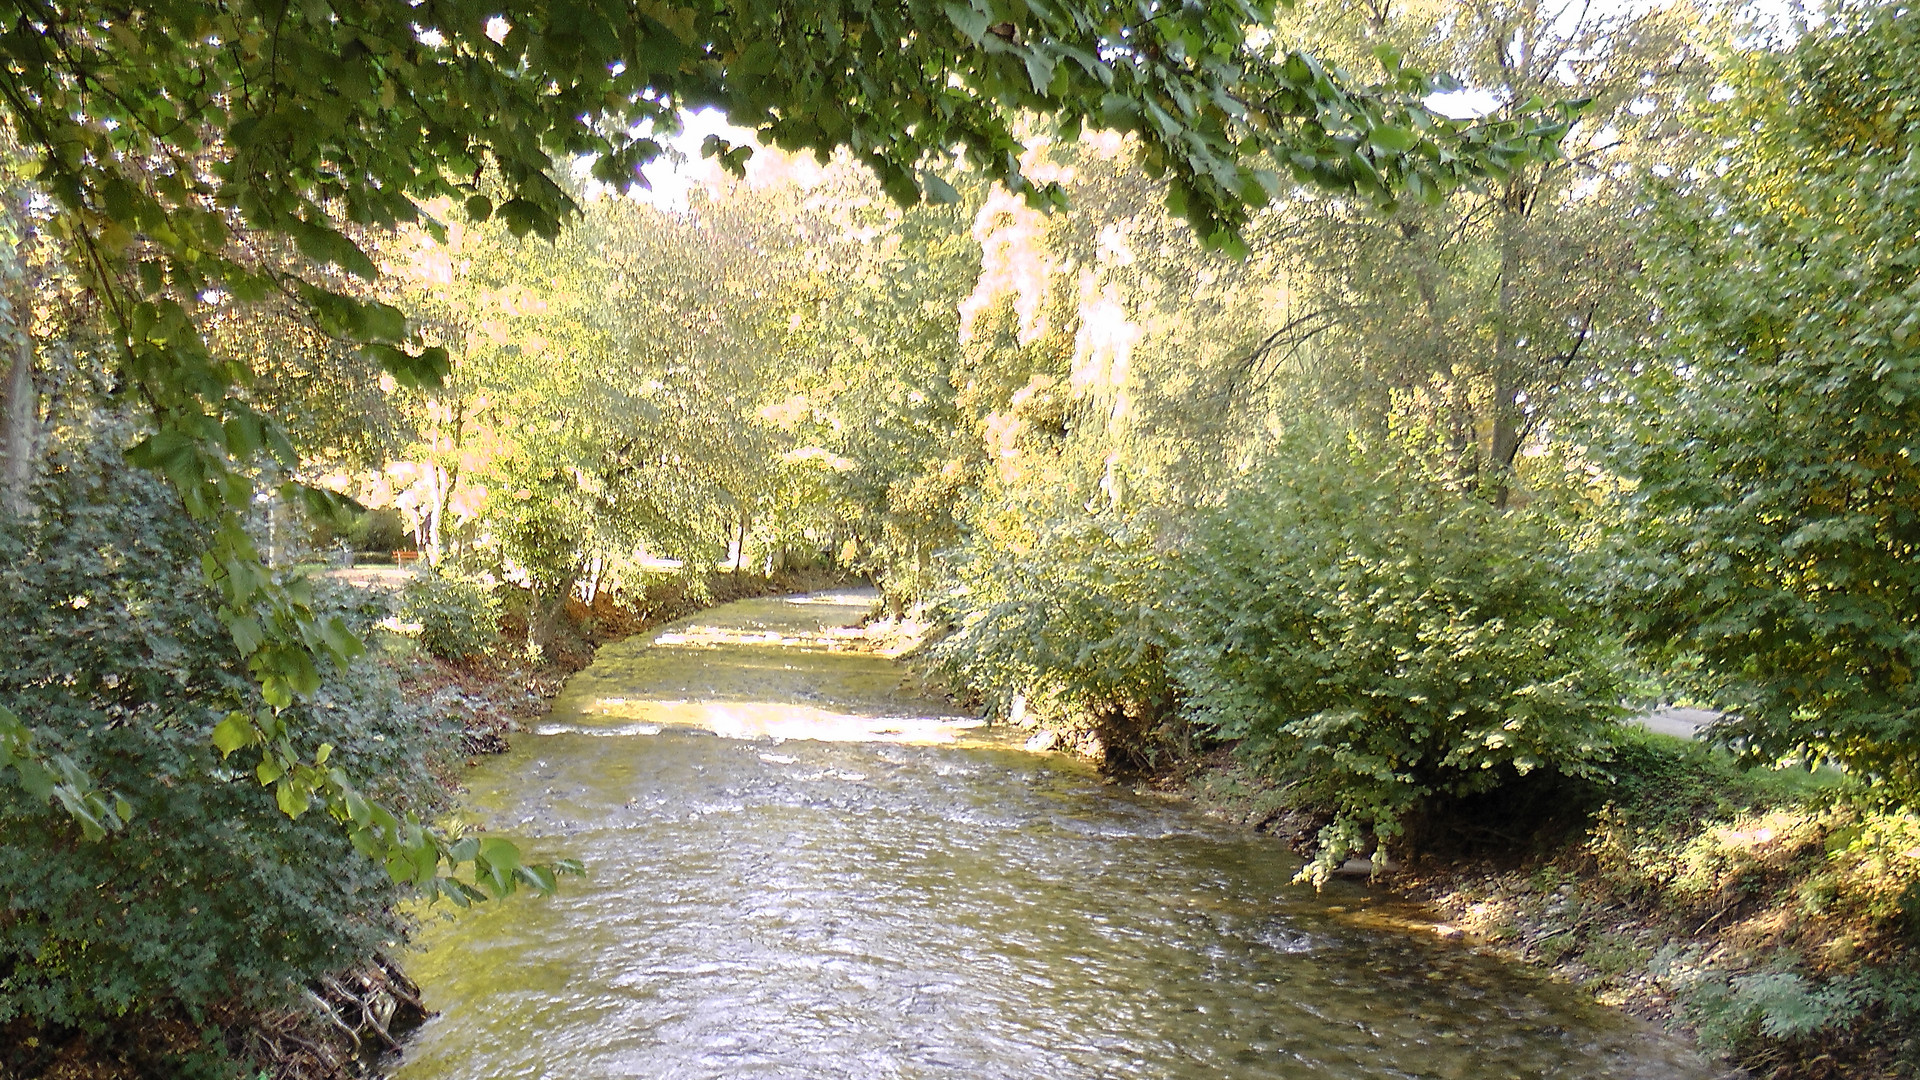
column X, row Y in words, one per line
column 1475, row 316
column 1773, row 516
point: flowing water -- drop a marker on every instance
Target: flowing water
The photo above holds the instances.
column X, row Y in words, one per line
column 797, row 870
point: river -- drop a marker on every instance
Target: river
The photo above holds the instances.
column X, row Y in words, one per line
column 798, row 870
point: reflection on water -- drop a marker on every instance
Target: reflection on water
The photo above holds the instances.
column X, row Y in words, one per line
column 923, row 908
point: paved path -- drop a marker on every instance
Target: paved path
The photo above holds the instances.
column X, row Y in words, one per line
column 1680, row 723
column 387, row 578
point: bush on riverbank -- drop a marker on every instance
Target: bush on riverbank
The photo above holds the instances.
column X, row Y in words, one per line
column 1067, row 626
column 1369, row 635
column 1759, row 907
column 211, row 907
column 458, row 617
column 1382, row 640
column 1753, row 907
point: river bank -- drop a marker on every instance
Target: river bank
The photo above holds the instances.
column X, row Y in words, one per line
column 443, row 719
column 1743, row 912
column 1766, row 914
column 1762, row 914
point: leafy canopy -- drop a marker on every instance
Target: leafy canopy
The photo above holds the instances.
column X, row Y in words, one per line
column 1773, row 530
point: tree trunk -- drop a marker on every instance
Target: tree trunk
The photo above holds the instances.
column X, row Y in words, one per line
column 19, row 423
column 436, row 505
column 445, row 479
column 594, row 567
column 740, row 544
column 1505, row 406
column 1506, row 441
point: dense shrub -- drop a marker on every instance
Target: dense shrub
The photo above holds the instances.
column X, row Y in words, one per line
column 379, row 530
column 211, row 898
column 1390, row 639
column 458, row 617
column 1770, row 1019
column 1070, row 617
column 1770, row 528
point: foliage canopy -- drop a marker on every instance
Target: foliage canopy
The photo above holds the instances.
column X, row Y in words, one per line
column 1774, row 524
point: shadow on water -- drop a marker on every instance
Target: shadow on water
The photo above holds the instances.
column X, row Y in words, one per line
column 926, row 907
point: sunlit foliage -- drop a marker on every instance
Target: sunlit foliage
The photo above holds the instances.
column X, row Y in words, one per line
column 1776, row 518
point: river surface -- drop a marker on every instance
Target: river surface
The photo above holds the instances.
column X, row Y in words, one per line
column 798, row 870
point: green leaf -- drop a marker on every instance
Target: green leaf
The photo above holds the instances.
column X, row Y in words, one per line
column 499, row 853
column 426, row 863
column 539, row 877
column 293, row 798
column 233, row 733
column 356, row 807
column 274, row 689
column 1396, row 139
column 939, row 191
column 1039, row 70
column 757, row 59
column 971, row 22
column 341, row 639
column 424, row 369
column 247, row 633
column 35, row 778
column 77, row 807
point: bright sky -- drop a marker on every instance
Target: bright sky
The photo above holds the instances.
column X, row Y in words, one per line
column 673, row 175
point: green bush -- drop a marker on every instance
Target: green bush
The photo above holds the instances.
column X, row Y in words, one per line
column 1778, row 1005
column 1769, row 526
column 1071, row 616
column 379, row 530
column 210, row 899
column 459, row 618
column 1762, row 1017
column 1389, row 638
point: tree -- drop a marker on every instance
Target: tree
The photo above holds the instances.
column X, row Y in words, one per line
column 1477, row 316
column 608, row 390
column 1772, row 520
column 19, row 389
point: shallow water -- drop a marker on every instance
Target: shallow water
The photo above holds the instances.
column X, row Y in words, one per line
column 904, row 899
